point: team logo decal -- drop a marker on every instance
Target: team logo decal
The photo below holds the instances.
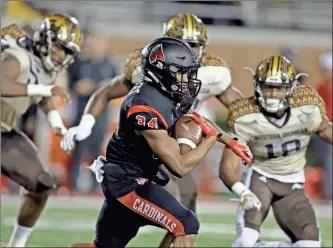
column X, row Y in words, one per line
column 303, row 117
column 156, row 54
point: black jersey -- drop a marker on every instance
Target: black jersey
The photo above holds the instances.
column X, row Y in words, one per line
column 145, row 107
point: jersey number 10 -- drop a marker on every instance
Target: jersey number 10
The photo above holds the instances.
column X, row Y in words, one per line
column 287, row 148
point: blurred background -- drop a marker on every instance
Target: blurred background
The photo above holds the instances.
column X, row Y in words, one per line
column 243, row 33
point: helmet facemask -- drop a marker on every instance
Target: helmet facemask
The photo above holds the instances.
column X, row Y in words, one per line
column 184, row 80
column 273, row 97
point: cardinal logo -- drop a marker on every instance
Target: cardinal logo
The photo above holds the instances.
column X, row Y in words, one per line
column 156, row 54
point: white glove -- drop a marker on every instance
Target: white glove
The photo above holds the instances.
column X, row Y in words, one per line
column 67, row 143
column 249, row 200
column 85, row 127
column 78, row 133
column 56, row 122
column 96, row 168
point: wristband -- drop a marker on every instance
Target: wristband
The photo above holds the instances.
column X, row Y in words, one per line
column 87, row 121
column 238, row 188
column 55, row 120
column 39, row 90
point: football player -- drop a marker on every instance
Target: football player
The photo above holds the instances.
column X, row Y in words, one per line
column 29, row 67
column 130, row 175
column 213, row 73
column 277, row 124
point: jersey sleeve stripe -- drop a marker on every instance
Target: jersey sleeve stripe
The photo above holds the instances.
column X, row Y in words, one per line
column 146, row 109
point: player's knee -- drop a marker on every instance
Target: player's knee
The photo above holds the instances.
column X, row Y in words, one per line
column 310, row 232
column 191, row 223
column 248, row 238
column 45, row 182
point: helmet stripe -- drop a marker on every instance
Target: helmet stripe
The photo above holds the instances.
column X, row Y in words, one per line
column 194, row 28
column 189, row 27
column 185, row 29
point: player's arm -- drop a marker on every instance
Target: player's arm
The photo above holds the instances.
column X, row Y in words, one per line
column 230, row 95
column 167, row 149
column 117, row 87
column 228, row 165
column 53, row 116
column 227, row 173
column 10, row 70
column 240, row 150
column 325, row 130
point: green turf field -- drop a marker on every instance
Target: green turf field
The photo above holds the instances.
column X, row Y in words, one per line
column 63, row 226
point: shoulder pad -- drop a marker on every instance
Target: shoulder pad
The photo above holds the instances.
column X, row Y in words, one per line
column 13, row 30
column 306, row 95
column 213, row 60
column 14, row 50
column 239, row 108
column 132, row 62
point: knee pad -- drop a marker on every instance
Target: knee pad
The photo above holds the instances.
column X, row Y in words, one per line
column 307, row 243
column 248, row 238
column 191, row 223
column 44, row 182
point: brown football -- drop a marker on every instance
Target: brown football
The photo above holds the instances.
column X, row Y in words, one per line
column 187, row 133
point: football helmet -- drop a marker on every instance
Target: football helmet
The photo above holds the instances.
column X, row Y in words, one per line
column 170, row 65
column 274, row 72
column 189, row 28
column 61, row 31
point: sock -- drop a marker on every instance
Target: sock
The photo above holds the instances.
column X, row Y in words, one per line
column 19, row 236
column 307, row 243
column 248, row 238
column 273, row 244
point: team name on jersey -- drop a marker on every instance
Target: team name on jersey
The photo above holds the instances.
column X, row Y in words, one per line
column 153, row 213
column 282, row 135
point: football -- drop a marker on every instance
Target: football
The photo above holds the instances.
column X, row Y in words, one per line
column 187, row 133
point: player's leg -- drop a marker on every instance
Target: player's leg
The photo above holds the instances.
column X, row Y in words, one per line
column 158, row 207
column 116, row 225
column 171, row 187
column 20, row 162
column 249, row 221
column 188, row 191
column 296, row 217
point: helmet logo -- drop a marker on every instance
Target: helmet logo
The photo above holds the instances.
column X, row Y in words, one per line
column 156, row 54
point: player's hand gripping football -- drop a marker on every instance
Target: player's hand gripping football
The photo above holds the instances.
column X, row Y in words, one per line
column 241, row 150
column 206, row 127
column 249, row 200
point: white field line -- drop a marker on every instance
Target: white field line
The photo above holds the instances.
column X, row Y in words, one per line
column 214, row 207
column 89, row 226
